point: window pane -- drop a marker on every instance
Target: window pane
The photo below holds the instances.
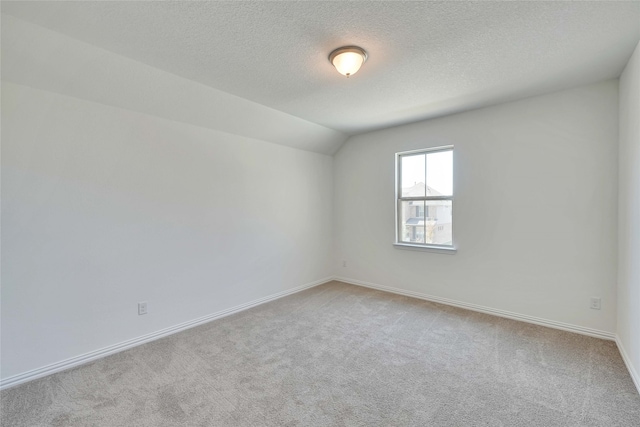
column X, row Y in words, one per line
column 412, row 225
column 438, row 222
column 412, row 181
column 440, row 173
column 425, row 175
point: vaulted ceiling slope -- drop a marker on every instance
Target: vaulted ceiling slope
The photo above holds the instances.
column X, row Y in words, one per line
column 39, row 58
column 426, row 59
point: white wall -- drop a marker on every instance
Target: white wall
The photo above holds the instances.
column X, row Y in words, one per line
column 629, row 216
column 535, row 211
column 104, row 207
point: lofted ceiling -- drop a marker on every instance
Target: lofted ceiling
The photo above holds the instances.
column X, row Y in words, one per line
column 426, row 59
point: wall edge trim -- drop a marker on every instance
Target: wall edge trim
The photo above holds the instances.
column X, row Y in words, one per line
column 82, row 359
column 627, row 361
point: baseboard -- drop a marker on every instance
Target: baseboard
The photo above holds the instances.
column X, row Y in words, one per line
column 482, row 309
column 627, row 361
column 106, row 351
column 103, row 352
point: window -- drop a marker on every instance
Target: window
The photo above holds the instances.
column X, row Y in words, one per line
column 424, row 198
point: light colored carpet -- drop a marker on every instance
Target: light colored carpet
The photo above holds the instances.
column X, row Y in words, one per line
column 341, row 355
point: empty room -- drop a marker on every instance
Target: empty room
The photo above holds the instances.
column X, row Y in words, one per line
column 314, row 213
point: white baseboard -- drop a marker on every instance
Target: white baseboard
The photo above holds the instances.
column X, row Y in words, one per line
column 97, row 354
column 103, row 352
column 627, row 361
column 482, row 309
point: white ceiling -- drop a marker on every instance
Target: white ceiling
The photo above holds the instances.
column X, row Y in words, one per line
column 426, row 59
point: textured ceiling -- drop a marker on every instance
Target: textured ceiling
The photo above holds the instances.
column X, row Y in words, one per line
column 425, row 58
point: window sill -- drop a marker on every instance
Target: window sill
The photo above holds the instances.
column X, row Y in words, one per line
column 424, row 248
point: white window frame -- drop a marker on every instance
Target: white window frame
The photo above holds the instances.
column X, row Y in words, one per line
column 429, row 247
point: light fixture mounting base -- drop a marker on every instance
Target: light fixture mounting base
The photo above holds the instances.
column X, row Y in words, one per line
column 343, row 49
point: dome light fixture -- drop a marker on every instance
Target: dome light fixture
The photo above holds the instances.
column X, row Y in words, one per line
column 348, row 59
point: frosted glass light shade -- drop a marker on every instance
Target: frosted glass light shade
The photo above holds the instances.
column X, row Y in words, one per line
column 348, row 59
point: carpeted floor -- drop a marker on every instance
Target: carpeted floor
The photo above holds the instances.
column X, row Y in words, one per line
column 341, row 355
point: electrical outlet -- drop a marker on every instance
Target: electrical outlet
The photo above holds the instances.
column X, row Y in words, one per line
column 142, row 308
column 344, row 263
column 595, row 303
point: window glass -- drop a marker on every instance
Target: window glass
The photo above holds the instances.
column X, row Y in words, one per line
column 413, row 175
column 439, row 172
column 425, row 197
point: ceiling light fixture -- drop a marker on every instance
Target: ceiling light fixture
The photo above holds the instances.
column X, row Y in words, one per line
column 348, row 59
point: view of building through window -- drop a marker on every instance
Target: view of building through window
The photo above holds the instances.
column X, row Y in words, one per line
column 425, row 197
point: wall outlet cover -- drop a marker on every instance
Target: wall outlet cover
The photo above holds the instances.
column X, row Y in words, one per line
column 142, row 308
